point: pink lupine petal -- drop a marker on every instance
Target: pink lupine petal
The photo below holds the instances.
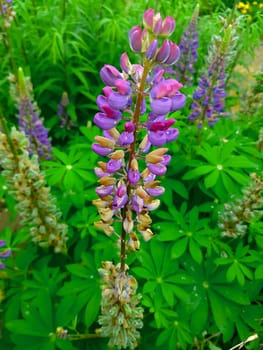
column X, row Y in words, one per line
column 135, row 38
column 109, row 74
column 168, row 26
column 125, row 63
column 148, row 19
column 174, row 54
column 163, row 52
column 123, row 86
column 157, row 26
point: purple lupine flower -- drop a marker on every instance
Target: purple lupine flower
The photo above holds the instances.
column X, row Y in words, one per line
column 188, row 48
column 4, row 253
column 133, row 118
column 29, row 121
column 209, row 98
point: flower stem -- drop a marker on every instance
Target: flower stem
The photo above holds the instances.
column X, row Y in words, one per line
column 132, row 152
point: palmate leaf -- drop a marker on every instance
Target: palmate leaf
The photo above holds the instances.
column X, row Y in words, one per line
column 197, row 172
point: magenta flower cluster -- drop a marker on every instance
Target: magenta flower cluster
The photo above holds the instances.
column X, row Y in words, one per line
column 4, row 253
column 133, row 110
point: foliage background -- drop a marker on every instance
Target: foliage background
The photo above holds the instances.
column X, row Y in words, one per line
column 200, row 290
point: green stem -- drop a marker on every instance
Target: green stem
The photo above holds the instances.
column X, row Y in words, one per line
column 75, row 337
column 132, row 153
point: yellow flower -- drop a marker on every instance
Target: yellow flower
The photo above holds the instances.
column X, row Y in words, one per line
column 254, row 2
column 244, row 11
column 240, row 5
column 261, row 5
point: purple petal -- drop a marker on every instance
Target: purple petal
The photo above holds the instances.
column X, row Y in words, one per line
column 2, row 243
column 166, row 159
column 135, row 39
column 114, row 165
column 174, row 54
column 157, row 138
column 161, row 106
column 125, row 63
column 137, row 203
column 151, row 50
column 102, row 151
column 104, row 191
column 178, row 101
column 109, row 74
column 168, row 25
column 5, row 254
column 100, row 173
column 103, row 122
column 157, row 169
column 171, row 134
column 157, row 26
column 163, row 52
column 118, row 101
column 126, row 138
column 134, row 176
column 119, row 202
column 156, row 191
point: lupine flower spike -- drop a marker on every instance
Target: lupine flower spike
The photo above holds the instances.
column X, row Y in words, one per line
column 188, row 48
column 28, row 119
column 4, row 253
column 209, row 98
column 26, row 183
column 237, row 215
column 133, row 141
column 65, row 121
column 7, row 12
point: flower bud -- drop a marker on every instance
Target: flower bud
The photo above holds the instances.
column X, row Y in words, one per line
column 135, row 38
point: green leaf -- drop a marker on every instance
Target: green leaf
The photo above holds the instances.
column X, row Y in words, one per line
column 239, row 162
column 231, row 273
column 259, row 272
column 179, row 187
column 199, row 317
column 167, row 294
column 195, row 251
column 78, row 270
column 142, row 272
column 179, row 248
column 211, row 179
column 92, row 309
column 195, row 173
